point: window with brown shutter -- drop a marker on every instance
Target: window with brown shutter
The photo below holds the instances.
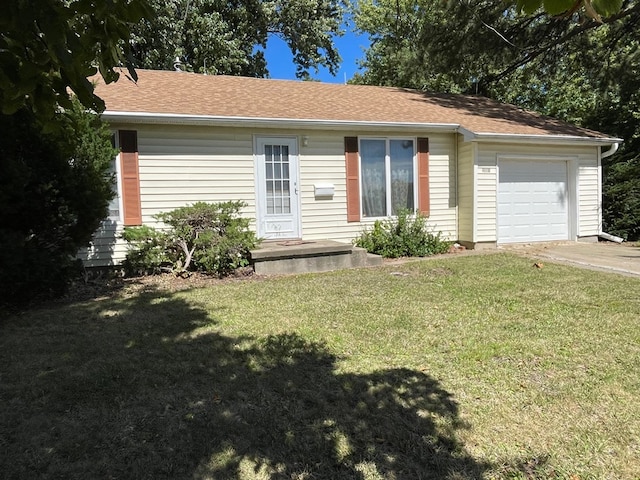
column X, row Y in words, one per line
column 353, row 182
column 130, row 177
column 424, row 201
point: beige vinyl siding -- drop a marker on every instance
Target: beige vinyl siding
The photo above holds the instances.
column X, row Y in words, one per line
column 181, row 165
column 588, row 193
column 323, row 161
column 442, row 181
column 106, row 248
column 486, row 206
column 466, row 190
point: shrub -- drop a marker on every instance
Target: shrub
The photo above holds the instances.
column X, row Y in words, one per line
column 148, row 253
column 621, row 197
column 55, row 188
column 207, row 237
column 406, row 235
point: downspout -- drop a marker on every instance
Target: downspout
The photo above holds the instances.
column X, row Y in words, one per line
column 608, row 153
column 457, row 142
column 611, row 151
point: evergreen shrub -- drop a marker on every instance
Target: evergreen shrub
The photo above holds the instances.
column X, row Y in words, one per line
column 55, row 188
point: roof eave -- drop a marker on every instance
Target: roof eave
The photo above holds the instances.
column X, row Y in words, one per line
column 123, row 117
column 257, row 122
column 487, row 137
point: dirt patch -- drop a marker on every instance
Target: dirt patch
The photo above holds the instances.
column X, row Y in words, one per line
column 109, row 285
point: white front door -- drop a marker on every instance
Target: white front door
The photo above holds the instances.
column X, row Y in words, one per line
column 277, row 185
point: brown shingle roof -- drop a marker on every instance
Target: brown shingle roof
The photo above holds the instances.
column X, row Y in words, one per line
column 181, row 93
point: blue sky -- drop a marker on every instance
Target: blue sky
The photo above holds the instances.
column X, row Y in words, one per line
column 350, row 46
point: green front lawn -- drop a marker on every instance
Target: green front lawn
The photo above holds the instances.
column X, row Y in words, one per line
column 471, row 367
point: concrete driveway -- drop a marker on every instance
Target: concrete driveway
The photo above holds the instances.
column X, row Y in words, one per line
column 605, row 256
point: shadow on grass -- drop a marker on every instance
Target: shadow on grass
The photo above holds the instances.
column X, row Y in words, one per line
column 147, row 388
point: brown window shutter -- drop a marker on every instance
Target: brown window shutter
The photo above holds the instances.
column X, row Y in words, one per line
column 353, row 181
column 130, row 177
column 424, row 203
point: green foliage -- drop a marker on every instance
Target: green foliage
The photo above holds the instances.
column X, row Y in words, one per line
column 51, row 47
column 206, row 237
column 55, row 190
column 593, row 8
column 148, row 253
column 570, row 67
column 403, row 236
column 229, row 37
column 621, row 199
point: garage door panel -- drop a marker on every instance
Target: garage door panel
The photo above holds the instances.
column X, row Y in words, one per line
column 532, row 201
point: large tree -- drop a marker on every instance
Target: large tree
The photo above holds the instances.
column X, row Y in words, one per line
column 54, row 191
column 229, row 36
column 55, row 156
column 573, row 66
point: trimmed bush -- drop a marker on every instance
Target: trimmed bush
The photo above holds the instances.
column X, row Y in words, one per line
column 406, row 235
column 207, row 237
column 148, row 251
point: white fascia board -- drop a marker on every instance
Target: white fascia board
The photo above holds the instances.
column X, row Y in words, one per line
column 182, row 119
column 483, row 137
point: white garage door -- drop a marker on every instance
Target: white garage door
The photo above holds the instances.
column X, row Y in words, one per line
column 532, row 201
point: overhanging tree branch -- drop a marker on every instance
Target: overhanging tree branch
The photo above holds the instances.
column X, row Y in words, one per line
column 574, row 32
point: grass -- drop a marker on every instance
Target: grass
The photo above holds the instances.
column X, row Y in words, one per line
column 469, row 367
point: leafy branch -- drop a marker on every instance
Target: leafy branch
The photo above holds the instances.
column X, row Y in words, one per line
column 544, row 48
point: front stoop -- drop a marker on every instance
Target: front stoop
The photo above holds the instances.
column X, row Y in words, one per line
column 299, row 256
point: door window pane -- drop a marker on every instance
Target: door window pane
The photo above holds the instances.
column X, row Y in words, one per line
column 277, row 179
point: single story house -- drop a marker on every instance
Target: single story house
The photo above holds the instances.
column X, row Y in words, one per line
column 323, row 161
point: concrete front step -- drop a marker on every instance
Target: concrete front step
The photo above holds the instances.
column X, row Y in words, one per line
column 299, row 256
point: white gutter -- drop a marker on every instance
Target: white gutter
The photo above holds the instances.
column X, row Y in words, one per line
column 183, row 119
column 470, row 136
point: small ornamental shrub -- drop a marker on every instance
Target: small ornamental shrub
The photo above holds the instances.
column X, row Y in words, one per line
column 207, row 237
column 406, row 235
